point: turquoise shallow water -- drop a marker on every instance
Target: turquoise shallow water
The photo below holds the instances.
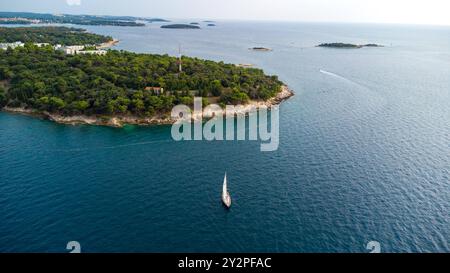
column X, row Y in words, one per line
column 364, row 155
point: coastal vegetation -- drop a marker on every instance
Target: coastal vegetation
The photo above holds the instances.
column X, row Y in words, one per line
column 346, row 45
column 120, row 82
column 3, row 99
column 52, row 35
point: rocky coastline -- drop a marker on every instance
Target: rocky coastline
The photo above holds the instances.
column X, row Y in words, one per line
column 121, row 120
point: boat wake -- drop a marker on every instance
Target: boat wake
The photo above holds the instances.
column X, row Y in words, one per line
column 334, row 75
column 111, row 147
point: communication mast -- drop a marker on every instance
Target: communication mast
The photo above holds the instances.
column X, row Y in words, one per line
column 180, row 63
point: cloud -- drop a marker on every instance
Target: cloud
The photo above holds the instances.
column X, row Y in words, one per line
column 73, row 2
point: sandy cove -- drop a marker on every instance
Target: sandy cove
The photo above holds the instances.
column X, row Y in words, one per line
column 108, row 44
column 120, row 121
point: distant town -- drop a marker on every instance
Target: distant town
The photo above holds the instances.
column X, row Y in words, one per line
column 43, row 18
column 29, row 18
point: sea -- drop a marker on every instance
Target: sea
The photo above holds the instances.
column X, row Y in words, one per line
column 364, row 154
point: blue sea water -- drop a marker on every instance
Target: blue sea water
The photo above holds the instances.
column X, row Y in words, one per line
column 364, row 154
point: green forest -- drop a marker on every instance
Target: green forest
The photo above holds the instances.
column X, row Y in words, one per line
column 52, row 35
column 48, row 80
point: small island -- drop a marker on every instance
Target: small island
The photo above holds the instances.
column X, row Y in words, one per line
column 346, row 45
column 373, row 45
column 211, row 25
column 180, row 26
column 260, row 49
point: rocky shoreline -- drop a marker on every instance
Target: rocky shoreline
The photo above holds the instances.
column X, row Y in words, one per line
column 120, row 121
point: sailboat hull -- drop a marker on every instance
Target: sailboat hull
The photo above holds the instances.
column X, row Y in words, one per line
column 226, row 199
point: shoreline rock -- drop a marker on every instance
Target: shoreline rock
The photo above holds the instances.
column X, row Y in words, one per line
column 120, row 121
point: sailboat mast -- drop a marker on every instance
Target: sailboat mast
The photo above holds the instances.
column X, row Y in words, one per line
column 225, row 190
column 180, row 68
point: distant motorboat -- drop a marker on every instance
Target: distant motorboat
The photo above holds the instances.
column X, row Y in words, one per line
column 226, row 198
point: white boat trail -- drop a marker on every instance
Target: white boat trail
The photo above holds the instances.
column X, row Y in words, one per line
column 110, row 147
column 336, row 76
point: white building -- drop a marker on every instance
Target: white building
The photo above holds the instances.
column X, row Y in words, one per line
column 93, row 52
column 71, row 50
column 11, row 45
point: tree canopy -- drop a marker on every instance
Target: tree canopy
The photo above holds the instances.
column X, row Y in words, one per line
column 48, row 80
column 52, row 35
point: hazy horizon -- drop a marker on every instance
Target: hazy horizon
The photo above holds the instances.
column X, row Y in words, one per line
column 432, row 12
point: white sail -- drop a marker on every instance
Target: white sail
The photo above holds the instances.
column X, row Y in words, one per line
column 226, row 199
column 225, row 188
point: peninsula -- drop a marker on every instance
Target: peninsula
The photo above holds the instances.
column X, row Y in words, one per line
column 121, row 87
column 52, row 35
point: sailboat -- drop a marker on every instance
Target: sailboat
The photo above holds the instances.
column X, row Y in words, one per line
column 226, row 198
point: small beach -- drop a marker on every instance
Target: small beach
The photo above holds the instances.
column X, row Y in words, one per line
column 109, row 44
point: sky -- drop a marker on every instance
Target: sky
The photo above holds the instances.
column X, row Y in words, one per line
column 434, row 12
